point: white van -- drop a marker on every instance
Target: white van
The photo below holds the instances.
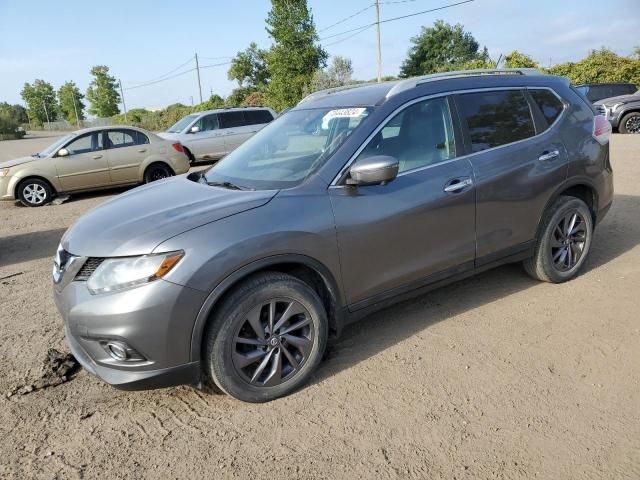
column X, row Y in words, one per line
column 210, row 135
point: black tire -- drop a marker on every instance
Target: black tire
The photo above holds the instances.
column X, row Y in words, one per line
column 34, row 192
column 226, row 351
column 157, row 171
column 630, row 123
column 558, row 256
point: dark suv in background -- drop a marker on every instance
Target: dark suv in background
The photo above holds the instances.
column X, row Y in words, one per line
column 355, row 199
column 623, row 112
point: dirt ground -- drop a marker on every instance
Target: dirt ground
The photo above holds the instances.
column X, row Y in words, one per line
column 497, row 376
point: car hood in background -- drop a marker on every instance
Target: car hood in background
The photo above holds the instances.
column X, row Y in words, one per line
column 168, row 136
column 619, row 99
column 17, row 161
column 135, row 222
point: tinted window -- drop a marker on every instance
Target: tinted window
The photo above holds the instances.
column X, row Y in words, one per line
column 232, row 119
column 142, row 138
column 209, row 122
column 90, row 142
column 496, row 118
column 550, row 106
column 419, row 136
column 256, row 117
column 122, row 138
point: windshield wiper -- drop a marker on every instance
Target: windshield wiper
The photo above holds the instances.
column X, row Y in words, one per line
column 37, row 155
column 228, row 185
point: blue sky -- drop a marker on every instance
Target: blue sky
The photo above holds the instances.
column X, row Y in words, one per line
column 142, row 40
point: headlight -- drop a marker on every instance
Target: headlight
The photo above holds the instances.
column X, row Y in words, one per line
column 127, row 272
column 4, row 172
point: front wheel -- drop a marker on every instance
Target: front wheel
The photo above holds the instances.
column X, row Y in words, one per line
column 157, row 171
column 34, row 192
column 563, row 242
column 266, row 338
column 630, row 123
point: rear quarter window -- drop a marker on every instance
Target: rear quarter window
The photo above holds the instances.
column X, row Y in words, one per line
column 548, row 103
column 496, row 118
column 256, row 117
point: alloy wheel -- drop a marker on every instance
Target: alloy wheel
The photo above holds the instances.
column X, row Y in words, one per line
column 273, row 342
column 568, row 241
column 34, row 193
column 632, row 125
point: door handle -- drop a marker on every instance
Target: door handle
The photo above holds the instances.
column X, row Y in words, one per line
column 96, row 157
column 457, row 185
column 546, row 156
column 142, row 150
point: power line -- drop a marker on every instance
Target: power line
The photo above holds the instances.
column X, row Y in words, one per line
column 161, row 80
column 350, row 36
column 346, row 18
column 165, row 75
column 214, row 64
column 213, row 58
column 399, row 18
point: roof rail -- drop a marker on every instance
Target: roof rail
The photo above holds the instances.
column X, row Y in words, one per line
column 415, row 81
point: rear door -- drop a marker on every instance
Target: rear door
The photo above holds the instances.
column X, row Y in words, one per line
column 258, row 119
column 235, row 128
column 518, row 162
column 208, row 142
column 86, row 165
column 421, row 226
column 127, row 149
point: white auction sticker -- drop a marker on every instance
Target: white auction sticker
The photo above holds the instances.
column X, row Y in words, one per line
column 341, row 113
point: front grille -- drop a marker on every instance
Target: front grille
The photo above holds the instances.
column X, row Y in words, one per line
column 88, row 268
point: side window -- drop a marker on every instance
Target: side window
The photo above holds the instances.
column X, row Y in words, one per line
column 419, row 136
column 142, row 138
column 496, row 118
column 232, row 119
column 209, row 122
column 122, row 138
column 257, row 117
column 550, row 106
column 90, row 142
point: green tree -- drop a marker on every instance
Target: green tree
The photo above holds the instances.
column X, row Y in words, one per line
column 40, row 98
column 102, row 93
column 600, row 66
column 295, row 54
column 338, row 74
column 518, row 59
column 249, row 67
column 440, row 48
column 16, row 112
column 70, row 100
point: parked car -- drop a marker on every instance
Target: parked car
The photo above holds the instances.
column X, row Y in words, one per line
column 213, row 134
column 599, row 91
column 91, row 159
column 623, row 112
column 351, row 201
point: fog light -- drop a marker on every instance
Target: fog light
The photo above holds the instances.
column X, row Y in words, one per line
column 117, row 350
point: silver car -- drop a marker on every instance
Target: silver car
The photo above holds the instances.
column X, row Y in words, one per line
column 212, row 134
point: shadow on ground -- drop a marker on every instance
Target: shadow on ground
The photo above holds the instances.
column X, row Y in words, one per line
column 25, row 247
column 617, row 234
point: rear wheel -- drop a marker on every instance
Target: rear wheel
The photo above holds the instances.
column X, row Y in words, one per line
column 563, row 243
column 630, row 123
column 157, row 171
column 34, row 192
column 266, row 338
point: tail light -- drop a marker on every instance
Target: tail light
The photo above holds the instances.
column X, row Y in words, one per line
column 601, row 129
column 179, row 148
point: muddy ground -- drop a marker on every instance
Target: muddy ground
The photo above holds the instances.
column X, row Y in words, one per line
column 497, row 376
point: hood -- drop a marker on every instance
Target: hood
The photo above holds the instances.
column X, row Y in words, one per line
column 634, row 97
column 168, row 136
column 17, row 161
column 135, row 222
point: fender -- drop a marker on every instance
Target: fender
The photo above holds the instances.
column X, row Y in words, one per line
column 15, row 180
column 242, row 272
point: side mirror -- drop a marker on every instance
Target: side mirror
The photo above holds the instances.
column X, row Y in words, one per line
column 194, row 129
column 63, row 152
column 376, row 170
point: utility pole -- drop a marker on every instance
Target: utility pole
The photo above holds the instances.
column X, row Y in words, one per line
column 124, row 105
column 75, row 108
column 199, row 84
column 47, row 114
column 379, row 47
column 191, row 97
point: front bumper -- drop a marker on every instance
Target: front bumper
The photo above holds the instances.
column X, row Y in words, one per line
column 7, row 188
column 156, row 320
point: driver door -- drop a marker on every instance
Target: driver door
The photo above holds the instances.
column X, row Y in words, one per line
column 86, row 165
column 208, row 142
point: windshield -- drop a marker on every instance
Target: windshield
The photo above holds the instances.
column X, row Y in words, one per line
column 55, row 146
column 285, row 152
column 182, row 124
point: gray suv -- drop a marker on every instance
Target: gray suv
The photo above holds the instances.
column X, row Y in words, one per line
column 622, row 111
column 355, row 199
